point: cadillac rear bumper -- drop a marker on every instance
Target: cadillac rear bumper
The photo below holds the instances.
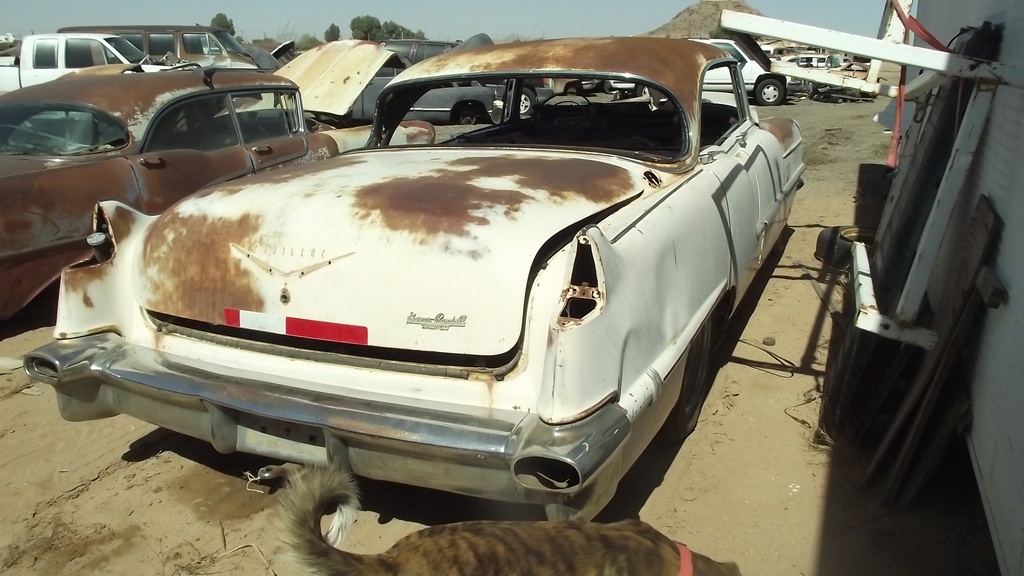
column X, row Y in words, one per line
column 573, row 469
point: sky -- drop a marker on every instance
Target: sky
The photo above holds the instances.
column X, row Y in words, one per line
column 438, row 19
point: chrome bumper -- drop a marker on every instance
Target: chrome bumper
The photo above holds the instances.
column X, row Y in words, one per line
column 504, row 455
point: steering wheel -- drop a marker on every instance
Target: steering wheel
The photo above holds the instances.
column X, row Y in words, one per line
column 569, row 100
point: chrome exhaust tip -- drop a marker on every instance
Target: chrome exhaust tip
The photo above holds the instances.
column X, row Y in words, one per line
column 42, row 369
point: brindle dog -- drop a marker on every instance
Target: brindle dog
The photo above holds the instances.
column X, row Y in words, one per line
column 478, row 548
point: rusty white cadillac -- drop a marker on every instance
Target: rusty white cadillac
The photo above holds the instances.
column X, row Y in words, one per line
column 512, row 312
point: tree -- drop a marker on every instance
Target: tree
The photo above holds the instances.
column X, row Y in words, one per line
column 395, row 30
column 306, row 41
column 222, row 21
column 370, row 28
column 366, row 28
column 333, row 33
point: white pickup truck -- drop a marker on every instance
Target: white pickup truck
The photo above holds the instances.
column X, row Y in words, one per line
column 44, row 57
column 766, row 87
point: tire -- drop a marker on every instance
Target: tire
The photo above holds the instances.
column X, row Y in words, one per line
column 834, row 247
column 682, row 421
column 464, row 114
column 527, row 100
column 769, row 92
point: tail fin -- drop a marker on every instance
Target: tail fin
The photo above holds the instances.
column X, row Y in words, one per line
column 314, row 493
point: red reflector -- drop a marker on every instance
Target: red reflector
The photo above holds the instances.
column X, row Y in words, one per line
column 301, row 327
column 326, row 330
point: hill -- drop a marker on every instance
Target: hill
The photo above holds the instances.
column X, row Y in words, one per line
column 701, row 19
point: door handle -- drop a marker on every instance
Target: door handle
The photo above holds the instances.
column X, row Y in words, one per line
column 262, row 149
column 151, row 161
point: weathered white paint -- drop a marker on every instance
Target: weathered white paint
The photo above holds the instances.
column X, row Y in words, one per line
column 996, row 436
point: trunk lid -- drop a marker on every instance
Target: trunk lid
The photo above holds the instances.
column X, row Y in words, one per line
column 427, row 250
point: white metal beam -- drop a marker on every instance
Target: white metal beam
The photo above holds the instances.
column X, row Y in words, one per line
column 892, row 30
column 927, row 58
column 823, row 76
column 966, row 145
column 870, row 319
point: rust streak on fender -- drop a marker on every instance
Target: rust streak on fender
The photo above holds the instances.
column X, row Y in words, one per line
column 784, row 130
column 190, row 268
column 77, row 281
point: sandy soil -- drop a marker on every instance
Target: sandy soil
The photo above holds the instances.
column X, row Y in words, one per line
column 119, row 496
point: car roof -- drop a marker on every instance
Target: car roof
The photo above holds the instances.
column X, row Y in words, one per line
column 674, row 63
column 135, row 97
column 141, row 28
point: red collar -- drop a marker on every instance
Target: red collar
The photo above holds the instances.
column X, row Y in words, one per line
column 685, row 561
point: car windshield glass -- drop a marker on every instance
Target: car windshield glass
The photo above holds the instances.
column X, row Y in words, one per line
column 579, row 111
column 58, row 130
column 127, row 49
column 228, row 41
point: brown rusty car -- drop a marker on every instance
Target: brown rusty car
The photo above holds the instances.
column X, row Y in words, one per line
column 146, row 140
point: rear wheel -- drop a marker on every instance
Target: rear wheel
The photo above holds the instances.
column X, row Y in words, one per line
column 769, row 92
column 682, row 420
column 527, row 100
column 464, row 114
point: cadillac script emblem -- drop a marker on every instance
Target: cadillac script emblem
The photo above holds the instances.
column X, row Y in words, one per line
column 438, row 322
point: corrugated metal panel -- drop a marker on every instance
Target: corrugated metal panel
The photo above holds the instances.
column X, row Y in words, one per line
column 997, row 435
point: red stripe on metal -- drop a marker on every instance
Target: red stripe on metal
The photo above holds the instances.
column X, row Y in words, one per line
column 331, row 331
column 232, row 317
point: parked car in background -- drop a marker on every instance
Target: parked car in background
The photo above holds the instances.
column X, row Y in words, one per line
column 45, row 57
column 417, row 50
column 204, row 45
column 764, row 86
column 458, row 102
column 512, row 313
column 145, row 140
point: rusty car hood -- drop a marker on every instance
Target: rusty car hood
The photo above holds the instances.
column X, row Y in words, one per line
column 437, row 256
column 332, row 75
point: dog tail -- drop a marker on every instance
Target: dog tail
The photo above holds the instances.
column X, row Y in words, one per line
column 312, row 494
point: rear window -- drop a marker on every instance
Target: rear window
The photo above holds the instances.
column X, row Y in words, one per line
column 160, row 44
column 58, row 130
column 45, row 54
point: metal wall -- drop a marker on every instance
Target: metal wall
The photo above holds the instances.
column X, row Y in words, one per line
column 996, row 437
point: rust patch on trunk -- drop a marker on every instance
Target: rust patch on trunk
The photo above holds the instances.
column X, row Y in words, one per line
column 190, row 269
column 448, row 201
column 564, row 178
column 438, row 204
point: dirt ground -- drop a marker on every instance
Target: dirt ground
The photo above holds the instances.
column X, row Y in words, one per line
column 119, row 496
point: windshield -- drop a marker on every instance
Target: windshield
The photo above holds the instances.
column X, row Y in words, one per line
column 228, row 41
column 126, row 49
column 58, row 130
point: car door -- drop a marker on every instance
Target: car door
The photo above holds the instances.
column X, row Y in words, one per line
column 740, row 165
column 44, row 63
column 189, row 144
column 270, row 126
